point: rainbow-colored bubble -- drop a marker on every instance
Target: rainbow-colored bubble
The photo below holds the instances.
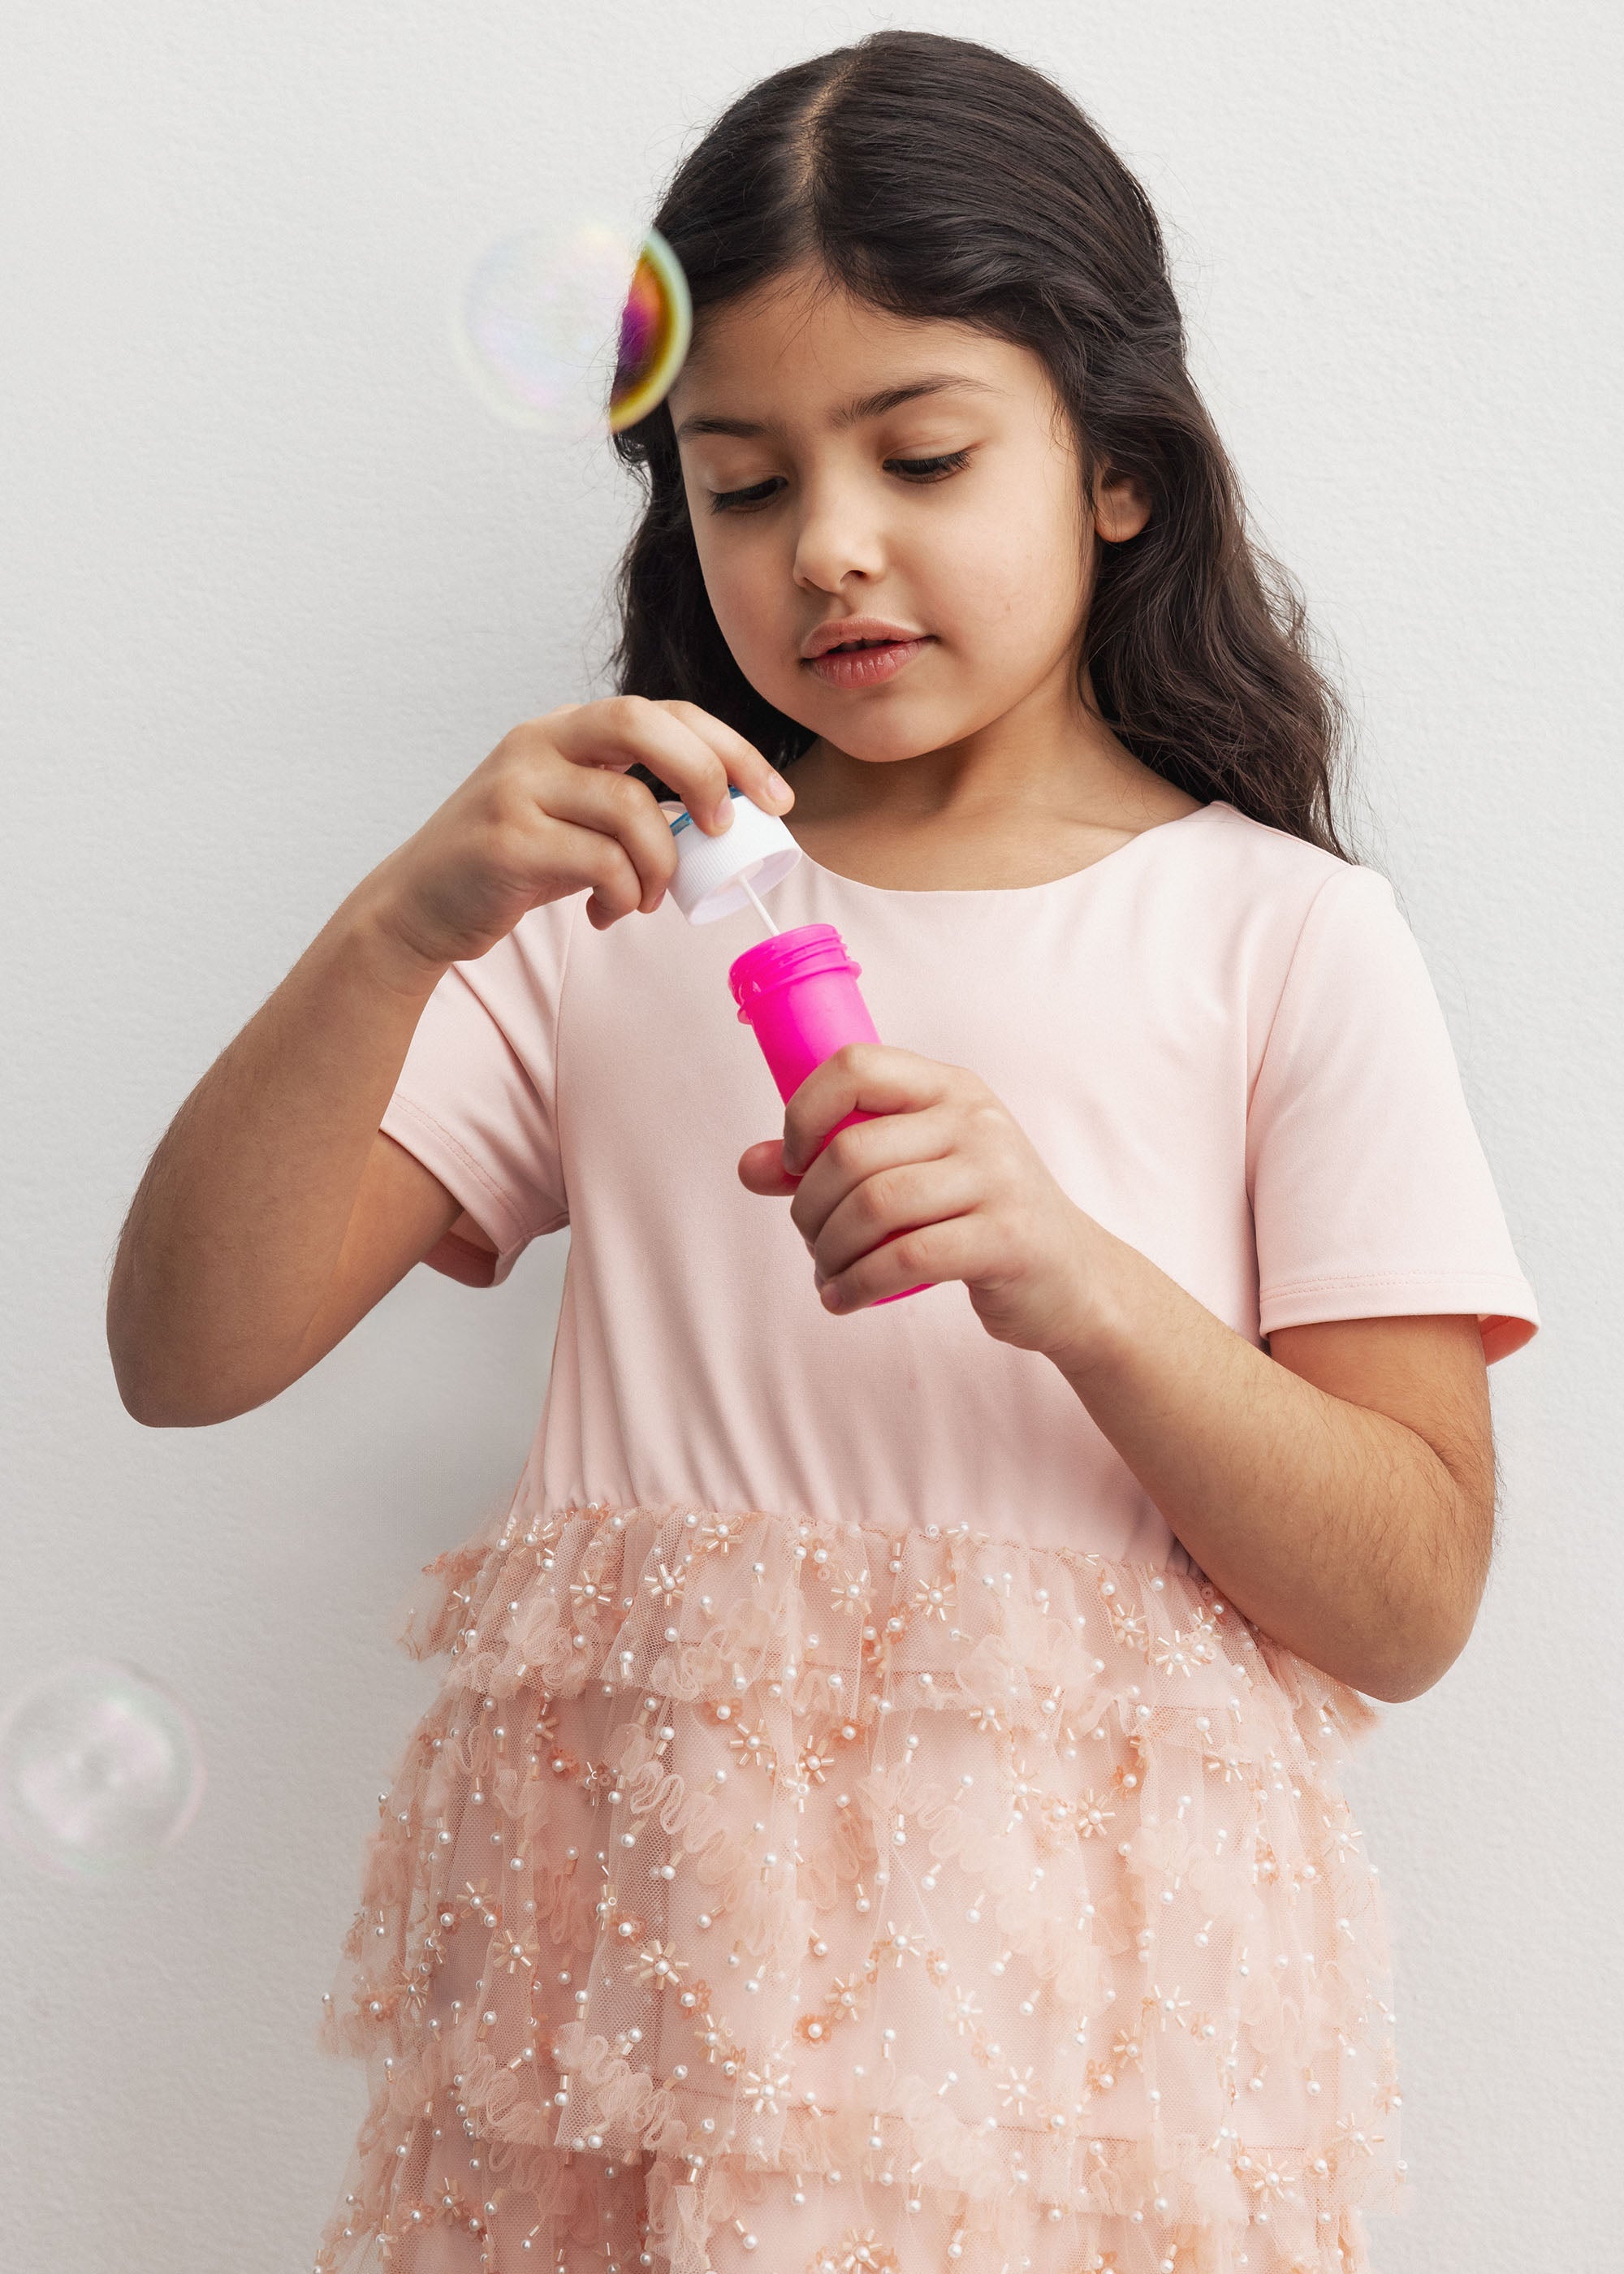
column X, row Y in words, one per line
column 560, row 326
column 656, row 324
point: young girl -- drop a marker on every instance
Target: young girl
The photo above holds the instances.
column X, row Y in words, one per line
column 880, row 1811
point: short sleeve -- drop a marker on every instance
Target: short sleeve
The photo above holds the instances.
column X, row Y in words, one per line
column 476, row 1100
column 1370, row 1193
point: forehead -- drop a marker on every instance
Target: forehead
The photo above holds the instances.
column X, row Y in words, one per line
column 800, row 352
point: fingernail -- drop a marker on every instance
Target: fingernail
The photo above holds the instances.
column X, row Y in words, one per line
column 724, row 813
column 778, row 790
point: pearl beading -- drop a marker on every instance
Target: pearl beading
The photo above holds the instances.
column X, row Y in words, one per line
column 743, row 1725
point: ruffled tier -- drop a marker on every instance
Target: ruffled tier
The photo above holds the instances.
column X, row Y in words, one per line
column 766, row 1892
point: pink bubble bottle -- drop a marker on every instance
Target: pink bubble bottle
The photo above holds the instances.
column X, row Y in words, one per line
column 796, row 989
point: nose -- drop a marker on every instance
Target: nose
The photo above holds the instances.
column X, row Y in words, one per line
column 839, row 533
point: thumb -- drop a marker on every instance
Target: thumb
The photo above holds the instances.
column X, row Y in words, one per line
column 761, row 1170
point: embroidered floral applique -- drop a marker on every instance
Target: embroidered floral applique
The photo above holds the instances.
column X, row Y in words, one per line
column 792, row 1870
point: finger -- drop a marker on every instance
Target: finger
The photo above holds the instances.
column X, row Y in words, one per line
column 907, row 1198
column 685, row 746
column 866, row 1149
column 603, row 849
column 744, row 762
column 759, row 1171
column 600, row 742
column 860, row 1077
column 583, row 783
column 927, row 1256
column 627, row 730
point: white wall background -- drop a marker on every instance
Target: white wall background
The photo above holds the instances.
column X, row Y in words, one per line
column 275, row 582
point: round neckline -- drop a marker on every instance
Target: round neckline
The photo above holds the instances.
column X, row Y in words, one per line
column 1007, row 891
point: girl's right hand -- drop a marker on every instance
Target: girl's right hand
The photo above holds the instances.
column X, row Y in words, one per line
column 553, row 810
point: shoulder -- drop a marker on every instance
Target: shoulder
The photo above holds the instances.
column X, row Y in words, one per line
column 1278, row 892
column 1253, row 857
column 1282, row 918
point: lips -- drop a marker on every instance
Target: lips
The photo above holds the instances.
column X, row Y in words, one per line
column 842, row 631
column 868, row 665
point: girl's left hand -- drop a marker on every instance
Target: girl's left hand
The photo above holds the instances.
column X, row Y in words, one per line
column 945, row 1183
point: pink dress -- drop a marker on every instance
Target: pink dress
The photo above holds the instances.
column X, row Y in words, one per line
column 851, row 1832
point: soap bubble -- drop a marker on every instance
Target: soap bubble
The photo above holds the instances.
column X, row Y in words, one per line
column 539, row 324
column 656, row 324
column 565, row 329
column 100, row 1768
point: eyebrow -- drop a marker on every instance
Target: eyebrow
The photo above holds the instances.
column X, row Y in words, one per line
column 863, row 406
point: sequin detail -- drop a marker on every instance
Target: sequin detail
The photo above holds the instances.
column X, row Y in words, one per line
column 811, row 1895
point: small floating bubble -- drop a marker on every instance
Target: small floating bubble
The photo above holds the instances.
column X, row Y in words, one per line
column 100, row 1768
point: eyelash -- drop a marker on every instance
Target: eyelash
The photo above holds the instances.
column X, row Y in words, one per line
column 950, row 462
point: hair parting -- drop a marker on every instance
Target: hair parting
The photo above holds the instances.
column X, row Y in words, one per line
column 936, row 177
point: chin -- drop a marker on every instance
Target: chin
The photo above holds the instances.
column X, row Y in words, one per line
column 878, row 737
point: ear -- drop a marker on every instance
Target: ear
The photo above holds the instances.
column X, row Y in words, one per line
column 1122, row 506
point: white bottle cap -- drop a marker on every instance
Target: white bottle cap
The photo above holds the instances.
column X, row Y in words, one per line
column 706, row 884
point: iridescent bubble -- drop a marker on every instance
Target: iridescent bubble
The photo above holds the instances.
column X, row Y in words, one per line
column 100, row 1768
column 573, row 329
column 656, row 324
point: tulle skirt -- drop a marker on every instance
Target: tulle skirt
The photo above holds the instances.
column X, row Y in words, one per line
column 771, row 1893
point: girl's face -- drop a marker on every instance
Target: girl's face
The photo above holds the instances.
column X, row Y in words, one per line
column 914, row 470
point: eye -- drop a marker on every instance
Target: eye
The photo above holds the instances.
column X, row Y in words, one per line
column 916, row 469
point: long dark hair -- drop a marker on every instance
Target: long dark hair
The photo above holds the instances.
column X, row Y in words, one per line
column 936, row 178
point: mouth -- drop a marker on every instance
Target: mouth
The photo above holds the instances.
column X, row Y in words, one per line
column 866, row 663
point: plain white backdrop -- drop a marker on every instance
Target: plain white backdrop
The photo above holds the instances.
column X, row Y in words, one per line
column 275, row 580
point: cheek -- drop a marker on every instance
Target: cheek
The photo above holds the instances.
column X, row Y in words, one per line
column 1013, row 566
column 745, row 601
column 722, row 565
column 741, row 595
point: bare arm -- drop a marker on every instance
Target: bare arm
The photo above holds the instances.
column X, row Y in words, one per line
column 275, row 1213
column 1339, row 1487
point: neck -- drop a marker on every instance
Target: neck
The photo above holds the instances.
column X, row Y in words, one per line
column 1003, row 776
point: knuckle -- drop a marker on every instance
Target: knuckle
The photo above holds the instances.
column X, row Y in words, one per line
column 606, row 861
column 985, row 1111
column 511, row 843
column 507, row 824
column 520, row 762
column 512, row 758
column 908, row 1249
column 499, row 802
column 511, row 786
column 876, row 1196
column 624, row 789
